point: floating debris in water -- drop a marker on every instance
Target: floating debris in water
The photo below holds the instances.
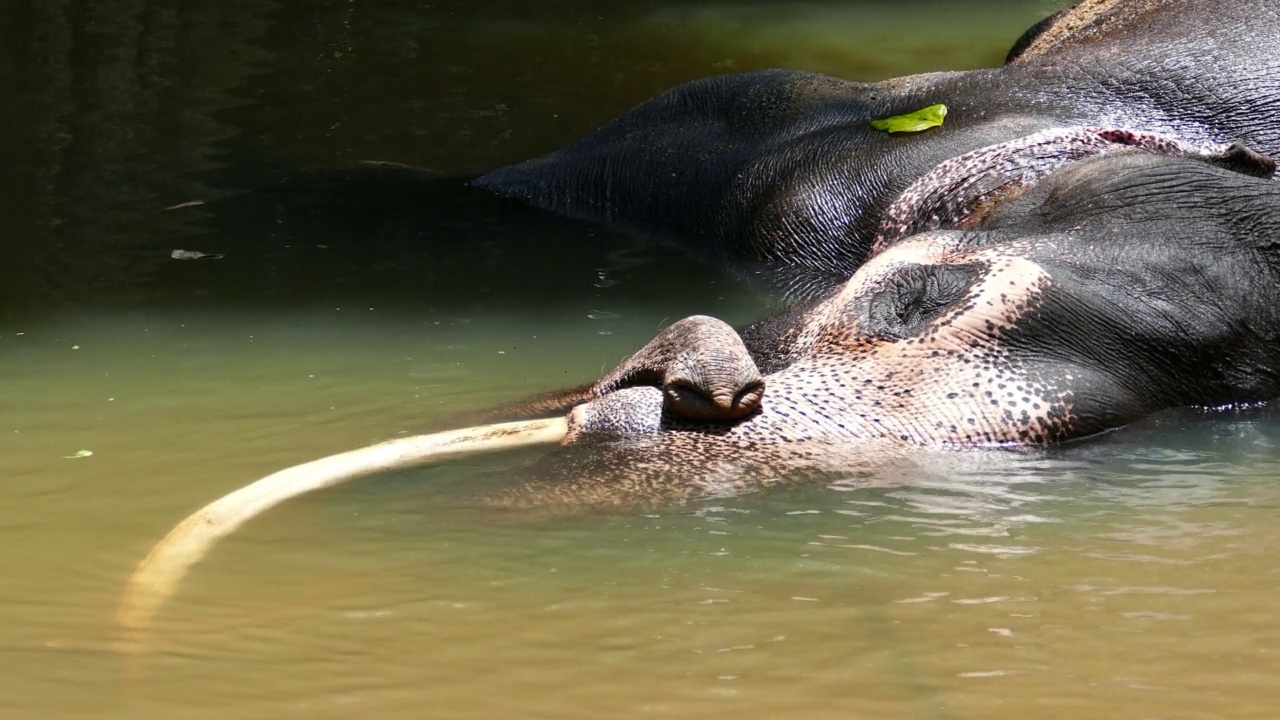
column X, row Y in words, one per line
column 984, row 674
column 194, row 255
column 189, row 203
column 79, row 454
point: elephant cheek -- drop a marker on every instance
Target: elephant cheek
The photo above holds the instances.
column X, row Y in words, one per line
column 629, row 413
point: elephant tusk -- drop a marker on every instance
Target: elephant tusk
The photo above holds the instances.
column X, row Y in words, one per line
column 158, row 575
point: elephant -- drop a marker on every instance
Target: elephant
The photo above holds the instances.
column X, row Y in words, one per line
column 1112, row 289
column 1089, row 238
column 779, row 174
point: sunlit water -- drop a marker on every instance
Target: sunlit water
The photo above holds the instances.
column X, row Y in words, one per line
column 1130, row 577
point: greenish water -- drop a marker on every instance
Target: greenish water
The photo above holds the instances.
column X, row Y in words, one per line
column 1130, row 577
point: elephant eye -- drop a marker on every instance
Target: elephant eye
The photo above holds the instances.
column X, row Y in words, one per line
column 916, row 296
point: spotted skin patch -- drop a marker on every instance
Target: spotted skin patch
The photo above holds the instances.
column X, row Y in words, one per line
column 953, row 383
column 850, row 400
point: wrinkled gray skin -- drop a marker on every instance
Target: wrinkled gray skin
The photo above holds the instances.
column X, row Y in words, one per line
column 779, row 174
column 1092, row 237
column 1115, row 288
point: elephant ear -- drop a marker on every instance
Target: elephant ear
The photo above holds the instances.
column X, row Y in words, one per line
column 714, row 167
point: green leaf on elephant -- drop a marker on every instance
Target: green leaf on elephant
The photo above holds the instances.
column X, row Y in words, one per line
column 922, row 119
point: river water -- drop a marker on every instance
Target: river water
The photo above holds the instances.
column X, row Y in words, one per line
column 1129, row 577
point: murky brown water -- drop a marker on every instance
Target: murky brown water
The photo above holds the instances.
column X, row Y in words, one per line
column 1131, row 578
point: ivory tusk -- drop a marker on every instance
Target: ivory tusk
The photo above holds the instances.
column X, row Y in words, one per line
column 158, row 575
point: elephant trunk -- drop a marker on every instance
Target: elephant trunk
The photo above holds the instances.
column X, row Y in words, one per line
column 157, row 577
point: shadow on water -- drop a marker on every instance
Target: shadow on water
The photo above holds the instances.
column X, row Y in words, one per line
column 391, row 236
column 125, row 107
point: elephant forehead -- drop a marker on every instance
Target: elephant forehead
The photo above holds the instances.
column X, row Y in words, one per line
column 957, row 382
column 954, row 382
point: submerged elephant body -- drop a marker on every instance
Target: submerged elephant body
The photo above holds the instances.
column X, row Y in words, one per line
column 780, row 173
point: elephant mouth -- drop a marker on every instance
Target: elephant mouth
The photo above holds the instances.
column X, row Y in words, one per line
column 962, row 192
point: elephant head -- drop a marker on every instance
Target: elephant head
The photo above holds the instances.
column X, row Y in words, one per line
column 1110, row 289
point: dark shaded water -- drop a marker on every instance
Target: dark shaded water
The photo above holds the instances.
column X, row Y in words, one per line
column 1131, row 577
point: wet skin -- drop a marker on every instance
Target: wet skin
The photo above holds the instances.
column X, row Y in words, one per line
column 1111, row 289
column 1085, row 241
column 779, row 174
